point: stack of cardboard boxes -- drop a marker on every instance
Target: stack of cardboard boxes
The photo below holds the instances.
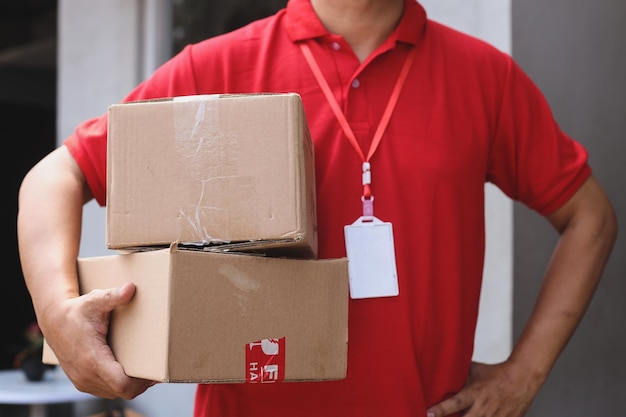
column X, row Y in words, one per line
column 211, row 206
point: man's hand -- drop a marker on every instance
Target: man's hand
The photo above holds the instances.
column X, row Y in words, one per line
column 77, row 333
column 501, row 390
column 587, row 226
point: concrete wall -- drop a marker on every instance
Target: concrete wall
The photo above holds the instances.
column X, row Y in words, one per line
column 576, row 52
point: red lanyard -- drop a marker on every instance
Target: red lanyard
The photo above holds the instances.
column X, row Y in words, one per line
column 367, row 198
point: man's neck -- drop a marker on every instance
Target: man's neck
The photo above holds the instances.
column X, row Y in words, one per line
column 364, row 24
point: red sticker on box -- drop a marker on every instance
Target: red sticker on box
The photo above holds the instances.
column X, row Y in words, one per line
column 265, row 361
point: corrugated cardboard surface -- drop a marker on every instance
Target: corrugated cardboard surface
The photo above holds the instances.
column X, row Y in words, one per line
column 235, row 169
column 195, row 312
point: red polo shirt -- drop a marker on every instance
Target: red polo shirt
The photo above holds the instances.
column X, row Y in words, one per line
column 467, row 115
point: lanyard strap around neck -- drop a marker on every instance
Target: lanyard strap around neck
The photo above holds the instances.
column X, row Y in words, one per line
column 382, row 125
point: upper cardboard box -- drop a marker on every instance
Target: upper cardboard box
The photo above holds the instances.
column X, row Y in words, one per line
column 224, row 171
column 224, row 317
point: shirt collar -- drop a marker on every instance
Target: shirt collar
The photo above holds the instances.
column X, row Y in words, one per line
column 302, row 22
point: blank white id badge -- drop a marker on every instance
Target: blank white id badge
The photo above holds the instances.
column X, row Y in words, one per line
column 371, row 258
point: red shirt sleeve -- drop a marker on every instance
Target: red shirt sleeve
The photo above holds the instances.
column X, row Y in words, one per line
column 533, row 160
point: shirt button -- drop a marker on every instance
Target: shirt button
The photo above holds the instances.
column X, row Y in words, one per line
column 336, row 46
column 356, row 83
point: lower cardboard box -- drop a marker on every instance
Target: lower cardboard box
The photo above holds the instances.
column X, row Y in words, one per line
column 209, row 317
